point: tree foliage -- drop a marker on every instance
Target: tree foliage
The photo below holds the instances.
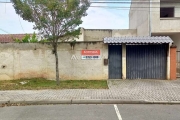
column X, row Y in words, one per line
column 27, row 39
column 53, row 18
column 56, row 20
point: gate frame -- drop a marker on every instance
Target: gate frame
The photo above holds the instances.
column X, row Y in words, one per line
column 168, row 62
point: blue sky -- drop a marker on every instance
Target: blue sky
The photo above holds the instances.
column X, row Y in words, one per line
column 97, row 18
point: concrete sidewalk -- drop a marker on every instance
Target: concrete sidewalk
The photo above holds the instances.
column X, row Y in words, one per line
column 120, row 91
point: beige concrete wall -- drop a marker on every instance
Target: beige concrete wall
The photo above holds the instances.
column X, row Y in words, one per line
column 124, row 32
column 96, row 35
column 36, row 60
column 99, row 35
column 139, row 17
column 168, row 26
column 155, row 16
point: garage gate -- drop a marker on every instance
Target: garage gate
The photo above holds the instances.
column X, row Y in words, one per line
column 145, row 57
column 146, row 61
column 142, row 61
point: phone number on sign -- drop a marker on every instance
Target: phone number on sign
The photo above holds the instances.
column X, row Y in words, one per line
column 90, row 57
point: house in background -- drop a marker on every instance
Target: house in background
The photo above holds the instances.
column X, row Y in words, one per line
column 9, row 38
column 156, row 18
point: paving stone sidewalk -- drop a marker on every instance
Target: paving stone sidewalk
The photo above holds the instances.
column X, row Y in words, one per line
column 149, row 90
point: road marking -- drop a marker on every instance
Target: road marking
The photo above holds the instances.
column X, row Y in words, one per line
column 117, row 112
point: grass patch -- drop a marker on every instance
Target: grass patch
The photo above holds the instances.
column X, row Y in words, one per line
column 39, row 84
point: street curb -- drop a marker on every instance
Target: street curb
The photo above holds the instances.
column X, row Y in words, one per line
column 3, row 102
column 83, row 101
column 90, row 101
column 33, row 102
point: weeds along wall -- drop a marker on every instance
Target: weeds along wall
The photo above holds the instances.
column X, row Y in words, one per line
column 36, row 60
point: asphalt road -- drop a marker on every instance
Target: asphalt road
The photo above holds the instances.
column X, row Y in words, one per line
column 91, row 112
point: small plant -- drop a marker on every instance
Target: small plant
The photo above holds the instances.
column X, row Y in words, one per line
column 44, row 40
column 33, row 39
column 17, row 40
column 72, row 43
column 27, row 39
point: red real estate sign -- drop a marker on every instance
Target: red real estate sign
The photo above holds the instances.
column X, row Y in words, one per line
column 90, row 54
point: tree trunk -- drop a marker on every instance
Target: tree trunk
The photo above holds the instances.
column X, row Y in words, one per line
column 57, row 64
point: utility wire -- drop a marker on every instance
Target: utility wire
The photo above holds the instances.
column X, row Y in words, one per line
column 120, row 1
column 117, row 6
column 4, row 31
column 127, row 8
column 124, row 7
column 142, row 2
column 115, row 0
column 21, row 24
column 5, row 6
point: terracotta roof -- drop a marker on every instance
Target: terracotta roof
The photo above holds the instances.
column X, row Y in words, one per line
column 6, row 38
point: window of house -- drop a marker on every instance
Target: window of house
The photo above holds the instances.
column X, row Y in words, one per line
column 166, row 12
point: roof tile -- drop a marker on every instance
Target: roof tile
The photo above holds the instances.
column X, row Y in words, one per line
column 6, row 38
column 135, row 40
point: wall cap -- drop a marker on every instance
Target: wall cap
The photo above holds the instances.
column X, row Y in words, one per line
column 173, row 46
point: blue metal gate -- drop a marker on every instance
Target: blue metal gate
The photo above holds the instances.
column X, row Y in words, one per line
column 115, row 62
column 146, row 61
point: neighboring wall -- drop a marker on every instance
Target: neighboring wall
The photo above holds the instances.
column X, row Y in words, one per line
column 124, row 33
column 28, row 60
column 100, row 34
column 96, row 34
column 139, row 17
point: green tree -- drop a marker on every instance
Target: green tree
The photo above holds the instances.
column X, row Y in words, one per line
column 56, row 20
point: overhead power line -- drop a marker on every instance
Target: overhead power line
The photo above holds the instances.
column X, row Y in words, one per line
column 115, row 6
column 4, row 31
column 21, row 24
column 123, row 7
column 120, row 1
column 142, row 2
